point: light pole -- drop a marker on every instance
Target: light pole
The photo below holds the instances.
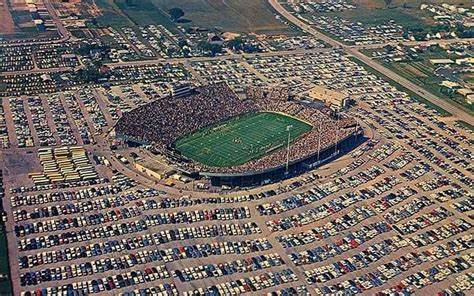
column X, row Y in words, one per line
column 337, row 133
column 356, row 129
column 288, row 129
column 319, row 137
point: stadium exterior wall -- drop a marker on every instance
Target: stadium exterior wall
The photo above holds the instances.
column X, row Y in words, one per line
column 131, row 140
column 275, row 174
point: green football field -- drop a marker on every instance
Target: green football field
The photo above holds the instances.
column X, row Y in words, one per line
column 241, row 139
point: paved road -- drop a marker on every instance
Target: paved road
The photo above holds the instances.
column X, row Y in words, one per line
column 454, row 110
column 54, row 16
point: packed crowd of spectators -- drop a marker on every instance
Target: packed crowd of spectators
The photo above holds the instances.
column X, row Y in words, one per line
column 164, row 121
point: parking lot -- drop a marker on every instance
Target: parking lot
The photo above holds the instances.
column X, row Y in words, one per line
column 393, row 216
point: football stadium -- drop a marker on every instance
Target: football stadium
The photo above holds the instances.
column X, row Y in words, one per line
column 260, row 137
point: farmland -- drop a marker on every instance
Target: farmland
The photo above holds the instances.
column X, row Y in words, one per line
column 236, row 16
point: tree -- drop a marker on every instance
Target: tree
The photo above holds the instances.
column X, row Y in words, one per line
column 215, row 49
column 90, row 74
column 235, row 43
column 463, row 32
column 203, row 45
column 176, row 13
column 250, row 48
column 212, row 48
column 388, row 2
column 419, row 35
column 186, row 51
column 440, row 28
column 182, row 43
column 389, row 48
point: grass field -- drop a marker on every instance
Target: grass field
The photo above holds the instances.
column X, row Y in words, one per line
column 235, row 16
column 466, row 125
column 408, row 18
column 145, row 12
column 241, row 139
column 111, row 15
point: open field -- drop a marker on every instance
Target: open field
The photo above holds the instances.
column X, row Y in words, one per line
column 144, row 12
column 241, row 139
column 111, row 15
column 404, row 12
column 236, row 15
column 413, row 70
column 411, row 18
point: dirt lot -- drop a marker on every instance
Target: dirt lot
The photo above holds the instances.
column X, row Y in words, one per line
column 6, row 24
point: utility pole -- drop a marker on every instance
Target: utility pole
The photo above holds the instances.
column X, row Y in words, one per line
column 288, row 129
